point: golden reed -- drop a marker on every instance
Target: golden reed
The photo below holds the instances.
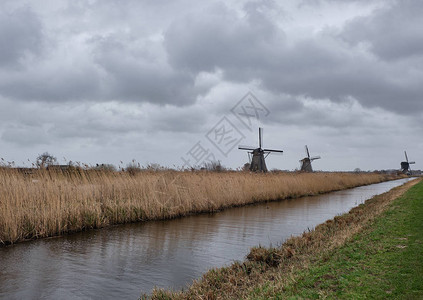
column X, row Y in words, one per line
column 49, row 203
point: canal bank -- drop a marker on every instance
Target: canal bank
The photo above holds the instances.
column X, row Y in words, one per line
column 374, row 251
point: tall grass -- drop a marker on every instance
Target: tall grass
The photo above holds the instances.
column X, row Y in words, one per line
column 49, row 203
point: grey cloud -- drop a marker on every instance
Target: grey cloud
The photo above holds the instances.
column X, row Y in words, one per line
column 117, row 68
column 134, row 74
column 124, row 64
column 33, row 124
column 371, row 83
column 98, row 62
column 393, row 32
column 191, row 120
column 37, row 123
column 57, row 84
column 320, row 2
column 322, row 66
column 220, row 38
column 323, row 114
column 20, row 35
column 22, row 135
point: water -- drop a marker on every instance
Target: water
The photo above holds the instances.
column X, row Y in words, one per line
column 124, row 261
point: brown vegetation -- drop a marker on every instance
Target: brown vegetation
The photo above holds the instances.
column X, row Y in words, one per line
column 52, row 202
column 271, row 270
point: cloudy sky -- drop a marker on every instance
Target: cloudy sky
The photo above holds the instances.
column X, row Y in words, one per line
column 180, row 82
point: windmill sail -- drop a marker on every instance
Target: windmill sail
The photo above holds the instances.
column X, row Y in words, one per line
column 273, row 150
column 243, row 147
column 260, row 137
column 307, row 153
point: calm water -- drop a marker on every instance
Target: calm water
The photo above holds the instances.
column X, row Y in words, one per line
column 123, row 261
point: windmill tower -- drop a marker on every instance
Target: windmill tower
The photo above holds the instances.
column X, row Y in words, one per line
column 405, row 165
column 306, row 161
column 258, row 163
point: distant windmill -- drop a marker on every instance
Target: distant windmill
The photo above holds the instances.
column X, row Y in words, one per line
column 258, row 163
column 405, row 165
column 306, row 161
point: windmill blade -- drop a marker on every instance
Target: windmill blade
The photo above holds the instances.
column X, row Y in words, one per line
column 315, row 157
column 246, row 148
column 273, row 150
column 307, row 153
column 260, row 137
column 411, row 162
column 406, row 157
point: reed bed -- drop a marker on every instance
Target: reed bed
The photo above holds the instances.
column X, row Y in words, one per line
column 49, row 203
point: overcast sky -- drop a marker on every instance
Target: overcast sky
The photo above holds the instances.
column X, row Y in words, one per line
column 179, row 82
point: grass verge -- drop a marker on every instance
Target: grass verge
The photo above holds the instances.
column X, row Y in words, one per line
column 374, row 251
column 383, row 261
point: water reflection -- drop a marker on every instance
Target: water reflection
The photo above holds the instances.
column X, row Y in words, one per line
column 122, row 261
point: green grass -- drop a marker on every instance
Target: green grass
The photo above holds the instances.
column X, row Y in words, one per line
column 385, row 261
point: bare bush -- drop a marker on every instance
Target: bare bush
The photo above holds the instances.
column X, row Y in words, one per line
column 133, row 168
column 214, row 166
column 44, row 160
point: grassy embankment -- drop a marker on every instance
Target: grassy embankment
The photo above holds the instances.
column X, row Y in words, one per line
column 375, row 251
column 50, row 203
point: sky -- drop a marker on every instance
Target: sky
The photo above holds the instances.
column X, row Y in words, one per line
column 180, row 83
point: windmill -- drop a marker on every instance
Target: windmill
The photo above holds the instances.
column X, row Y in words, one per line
column 258, row 163
column 306, row 161
column 405, row 165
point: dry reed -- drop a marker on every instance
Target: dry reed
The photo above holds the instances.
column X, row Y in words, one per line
column 49, row 203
